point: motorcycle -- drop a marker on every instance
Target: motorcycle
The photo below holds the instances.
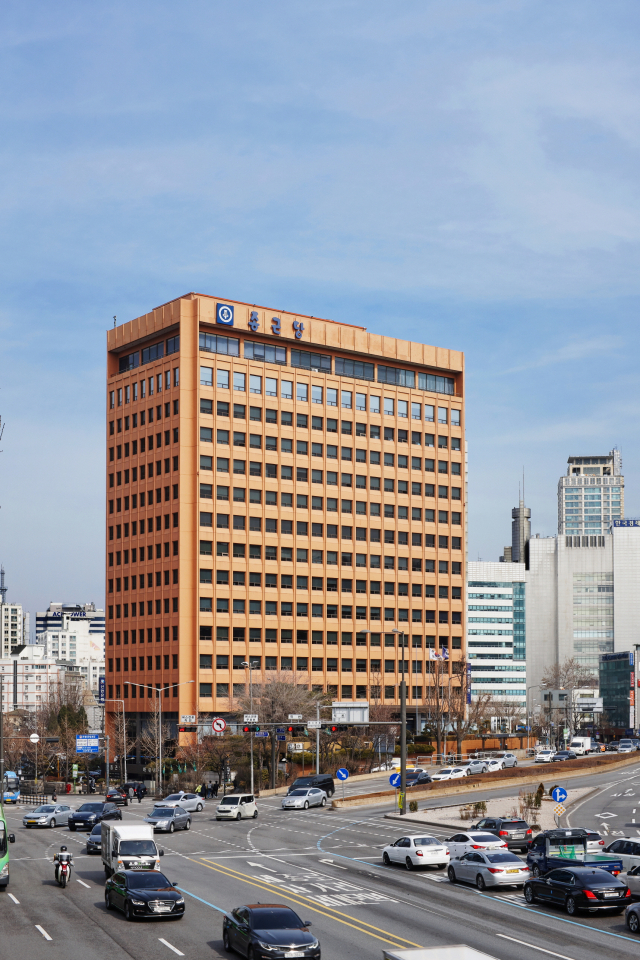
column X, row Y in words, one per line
column 63, row 873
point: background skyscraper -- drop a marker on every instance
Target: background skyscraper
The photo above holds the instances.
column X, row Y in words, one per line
column 591, row 495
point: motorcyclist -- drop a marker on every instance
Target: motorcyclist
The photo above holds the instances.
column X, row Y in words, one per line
column 63, row 856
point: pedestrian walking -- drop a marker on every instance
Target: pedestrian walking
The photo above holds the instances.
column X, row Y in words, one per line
column 216, row 787
column 203, row 790
column 139, row 792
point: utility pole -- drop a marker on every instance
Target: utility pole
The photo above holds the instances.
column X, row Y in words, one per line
column 403, row 732
column 251, row 666
column 318, row 738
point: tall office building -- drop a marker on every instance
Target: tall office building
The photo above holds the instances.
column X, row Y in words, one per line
column 518, row 552
column 51, row 619
column 591, row 495
column 276, row 486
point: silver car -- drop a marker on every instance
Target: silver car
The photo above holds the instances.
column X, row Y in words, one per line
column 169, row 819
column 475, row 766
column 303, row 798
column 489, row 869
column 187, row 801
column 47, row 815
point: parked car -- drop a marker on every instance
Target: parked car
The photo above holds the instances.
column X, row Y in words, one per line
column 579, row 888
column 145, row 893
column 94, row 840
column 47, row 815
column 461, row 843
column 516, row 833
column 489, row 869
column 613, row 746
column 494, row 763
column 508, row 759
column 626, row 849
column 476, row 766
column 304, row 798
column 114, row 795
column 187, row 801
column 544, row 756
column 626, row 746
column 322, row 780
column 256, row 930
column 168, row 819
column 87, row 815
column 561, row 755
column 239, row 806
column 449, row 773
column 417, row 851
column 419, row 779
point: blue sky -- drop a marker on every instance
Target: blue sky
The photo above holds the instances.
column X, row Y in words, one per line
column 463, row 173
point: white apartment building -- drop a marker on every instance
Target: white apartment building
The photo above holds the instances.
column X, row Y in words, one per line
column 496, row 630
column 28, row 678
column 74, row 643
column 591, row 495
column 12, row 627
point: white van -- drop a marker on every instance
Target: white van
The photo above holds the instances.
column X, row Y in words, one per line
column 129, row 847
column 237, row 806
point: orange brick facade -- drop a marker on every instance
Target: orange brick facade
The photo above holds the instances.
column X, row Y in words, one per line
column 276, row 486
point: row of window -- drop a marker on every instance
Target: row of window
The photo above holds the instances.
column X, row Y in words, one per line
column 329, row 557
column 160, row 524
column 146, row 443
column 158, row 578
column 238, row 578
column 145, row 471
column 239, row 635
column 154, row 551
column 153, row 608
column 145, row 497
column 130, row 663
column 330, row 531
column 131, row 392
column 329, row 611
column 159, row 632
column 362, row 692
column 115, row 426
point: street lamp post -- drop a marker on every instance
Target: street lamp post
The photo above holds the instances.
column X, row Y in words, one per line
column 159, row 690
column 251, row 665
column 403, row 732
column 124, row 735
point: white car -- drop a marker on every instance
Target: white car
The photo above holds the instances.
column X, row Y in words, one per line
column 544, row 756
column 449, row 773
column 237, row 806
column 489, row 869
column 494, row 763
column 303, row 798
column 417, row 851
column 186, row 801
column 461, row 843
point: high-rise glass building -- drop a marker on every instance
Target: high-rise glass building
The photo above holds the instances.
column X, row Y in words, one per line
column 591, row 495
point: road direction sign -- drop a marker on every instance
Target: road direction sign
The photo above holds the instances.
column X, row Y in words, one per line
column 34, row 738
column 395, row 779
column 219, row 725
column 87, row 744
column 280, row 730
column 251, row 718
column 295, row 716
column 280, row 736
column 262, row 733
column 559, row 809
column 342, row 774
column 559, row 794
column 314, row 724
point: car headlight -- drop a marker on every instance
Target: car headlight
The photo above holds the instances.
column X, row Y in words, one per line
column 138, row 903
column 42, row 820
column 181, row 900
column 162, row 823
column 266, row 946
column 312, row 946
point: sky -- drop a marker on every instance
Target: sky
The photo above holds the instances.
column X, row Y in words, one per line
column 459, row 173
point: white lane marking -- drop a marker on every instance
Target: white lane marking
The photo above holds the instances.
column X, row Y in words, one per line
column 531, row 945
column 15, row 899
column 171, row 947
column 83, row 883
column 337, row 865
column 43, row 932
column 603, row 816
column 263, row 866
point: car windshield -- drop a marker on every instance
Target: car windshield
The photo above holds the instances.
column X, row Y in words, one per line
column 229, row 802
column 303, row 782
column 97, row 830
column 515, row 824
column 483, row 837
column 90, row 808
column 137, row 848
column 502, row 858
column 276, row 918
column 426, row 842
column 45, row 809
column 445, row 771
column 153, row 880
column 298, row 793
column 173, row 796
column 162, row 812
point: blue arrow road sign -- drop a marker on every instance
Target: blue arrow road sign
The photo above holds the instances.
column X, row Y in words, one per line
column 559, row 794
column 280, row 736
column 342, row 774
column 395, row 779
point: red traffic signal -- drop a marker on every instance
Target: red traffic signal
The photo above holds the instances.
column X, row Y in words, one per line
column 187, row 729
column 297, row 729
column 250, row 728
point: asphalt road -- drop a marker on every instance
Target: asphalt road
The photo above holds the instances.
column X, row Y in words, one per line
column 324, row 863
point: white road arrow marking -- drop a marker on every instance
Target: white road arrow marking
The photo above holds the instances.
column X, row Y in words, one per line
column 604, row 816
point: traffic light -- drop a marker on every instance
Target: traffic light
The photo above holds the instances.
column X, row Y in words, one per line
column 187, row 729
column 250, row 728
column 336, row 728
column 296, row 730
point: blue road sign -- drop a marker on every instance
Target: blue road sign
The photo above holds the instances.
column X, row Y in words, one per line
column 280, row 736
column 102, row 689
column 85, row 744
column 262, row 733
column 280, row 730
column 559, row 794
column 342, row 774
column 395, row 779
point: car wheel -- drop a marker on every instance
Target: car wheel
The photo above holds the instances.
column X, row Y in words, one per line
column 571, row 906
column 386, row 859
column 515, row 763
column 107, row 901
column 451, row 874
column 52, row 823
column 255, row 814
column 409, row 863
column 535, row 870
column 187, row 825
column 127, row 911
column 199, row 808
column 238, row 816
column 171, row 827
column 633, row 922
column 480, row 884
column 72, row 829
column 306, row 804
column 226, row 942
column 529, row 895
column 323, row 802
column 440, row 866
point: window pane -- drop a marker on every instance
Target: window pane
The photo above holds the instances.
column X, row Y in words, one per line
column 255, row 384
column 206, row 376
column 286, row 389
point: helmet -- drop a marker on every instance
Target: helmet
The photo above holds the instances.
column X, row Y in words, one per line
column 63, row 849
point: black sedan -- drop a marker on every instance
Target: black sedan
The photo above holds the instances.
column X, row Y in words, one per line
column 94, row 840
column 116, row 795
column 564, row 755
column 86, row 816
column 143, row 895
column 580, row 888
column 418, row 778
column 268, row 930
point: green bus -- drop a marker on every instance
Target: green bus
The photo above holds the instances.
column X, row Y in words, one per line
column 5, row 839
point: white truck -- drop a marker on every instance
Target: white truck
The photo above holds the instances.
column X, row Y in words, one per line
column 580, row 745
column 129, row 846
column 458, row 951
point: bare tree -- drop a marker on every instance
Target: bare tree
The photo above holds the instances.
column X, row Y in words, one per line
column 466, row 714
column 438, row 701
column 569, row 675
column 152, row 738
